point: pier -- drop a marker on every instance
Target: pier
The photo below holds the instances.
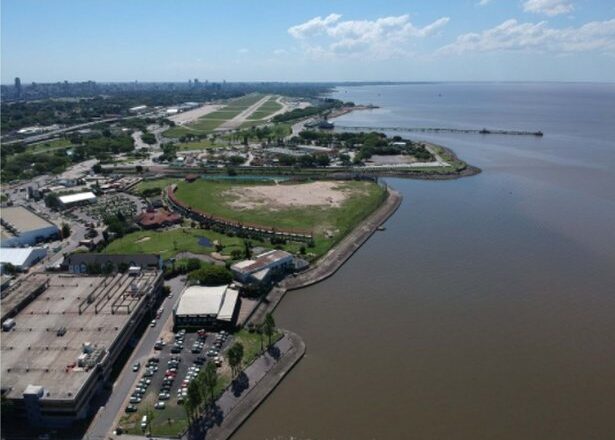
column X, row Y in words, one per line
column 448, row 130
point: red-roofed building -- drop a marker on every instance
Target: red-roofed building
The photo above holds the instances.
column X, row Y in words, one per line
column 157, row 218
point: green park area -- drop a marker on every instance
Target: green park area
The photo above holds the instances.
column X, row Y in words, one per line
column 50, row 145
column 169, row 243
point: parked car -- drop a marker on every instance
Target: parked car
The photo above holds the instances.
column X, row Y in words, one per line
column 159, row 405
column 136, row 366
column 135, row 399
column 153, row 323
column 131, row 409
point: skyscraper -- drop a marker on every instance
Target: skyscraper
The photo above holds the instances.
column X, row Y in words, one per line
column 18, row 87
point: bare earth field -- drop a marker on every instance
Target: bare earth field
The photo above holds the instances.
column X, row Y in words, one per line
column 278, row 197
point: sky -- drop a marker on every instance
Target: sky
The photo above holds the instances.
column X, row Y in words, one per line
column 318, row 40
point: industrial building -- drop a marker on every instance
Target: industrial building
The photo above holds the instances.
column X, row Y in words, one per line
column 85, row 262
column 263, row 267
column 21, row 258
column 22, row 227
column 207, row 307
column 63, row 335
column 77, row 199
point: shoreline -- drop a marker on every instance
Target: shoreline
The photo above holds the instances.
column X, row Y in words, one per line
column 332, row 261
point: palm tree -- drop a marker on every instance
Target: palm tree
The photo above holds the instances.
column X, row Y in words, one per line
column 235, row 356
column 210, row 379
column 194, row 395
column 269, row 327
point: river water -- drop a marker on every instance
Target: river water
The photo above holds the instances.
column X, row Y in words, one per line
column 486, row 310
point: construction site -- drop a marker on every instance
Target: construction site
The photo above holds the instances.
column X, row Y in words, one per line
column 62, row 334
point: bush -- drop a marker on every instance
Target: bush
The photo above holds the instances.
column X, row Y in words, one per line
column 211, row 275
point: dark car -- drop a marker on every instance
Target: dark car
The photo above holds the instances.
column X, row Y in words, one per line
column 131, row 408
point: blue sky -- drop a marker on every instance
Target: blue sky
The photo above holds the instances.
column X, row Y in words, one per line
column 462, row 40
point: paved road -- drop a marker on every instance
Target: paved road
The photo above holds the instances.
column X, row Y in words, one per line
column 103, row 423
column 243, row 116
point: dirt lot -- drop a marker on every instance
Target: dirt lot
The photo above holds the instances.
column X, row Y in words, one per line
column 277, row 197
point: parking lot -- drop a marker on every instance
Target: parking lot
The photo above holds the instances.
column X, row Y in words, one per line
column 163, row 379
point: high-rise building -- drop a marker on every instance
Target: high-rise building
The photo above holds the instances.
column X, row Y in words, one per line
column 18, row 87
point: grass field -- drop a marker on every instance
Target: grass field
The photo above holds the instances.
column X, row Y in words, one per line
column 329, row 224
column 55, row 144
column 170, row 242
column 211, row 121
column 196, row 145
column 268, row 108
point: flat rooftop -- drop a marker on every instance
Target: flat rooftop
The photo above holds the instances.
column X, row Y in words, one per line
column 34, row 353
column 23, row 220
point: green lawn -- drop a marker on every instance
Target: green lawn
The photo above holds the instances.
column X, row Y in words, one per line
column 155, row 183
column 213, row 120
column 196, row 145
column 213, row 198
column 169, row 242
column 269, row 107
column 55, row 144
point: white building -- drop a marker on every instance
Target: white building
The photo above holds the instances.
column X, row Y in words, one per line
column 262, row 267
column 22, row 227
column 203, row 306
column 79, row 198
column 21, row 258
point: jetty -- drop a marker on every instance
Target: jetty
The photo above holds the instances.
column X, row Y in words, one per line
column 448, row 130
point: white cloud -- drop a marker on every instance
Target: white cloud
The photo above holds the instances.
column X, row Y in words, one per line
column 243, row 50
column 380, row 38
column 548, row 7
column 280, row 52
column 483, row 2
column 538, row 37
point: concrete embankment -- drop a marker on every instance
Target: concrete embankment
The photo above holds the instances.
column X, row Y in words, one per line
column 332, row 260
column 264, row 375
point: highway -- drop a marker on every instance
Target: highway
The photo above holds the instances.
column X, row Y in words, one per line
column 103, row 423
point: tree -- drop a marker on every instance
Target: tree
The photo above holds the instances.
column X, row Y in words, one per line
column 97, row 168
column 211, row 275
column 193, row 264
column 235, row 357
column 194, row 395
column 269, row 327
column 139, row 168
column 210, row 380
column 247, row 249
column 52, row 201
column 65, row 230
column 10, row 269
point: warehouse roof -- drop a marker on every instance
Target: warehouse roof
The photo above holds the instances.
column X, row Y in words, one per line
column 79, row 197
column 262, row 261
column 18, row 256
column 205, row 300
column 23, row 220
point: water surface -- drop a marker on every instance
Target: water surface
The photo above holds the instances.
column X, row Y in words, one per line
column 486, row 309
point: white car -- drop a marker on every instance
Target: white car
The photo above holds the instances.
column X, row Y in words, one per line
column 159, row 405
column 153, row 323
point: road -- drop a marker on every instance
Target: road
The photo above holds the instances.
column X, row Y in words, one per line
column 104, row 422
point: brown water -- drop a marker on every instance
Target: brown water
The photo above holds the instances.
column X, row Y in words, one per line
column 486, row 310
